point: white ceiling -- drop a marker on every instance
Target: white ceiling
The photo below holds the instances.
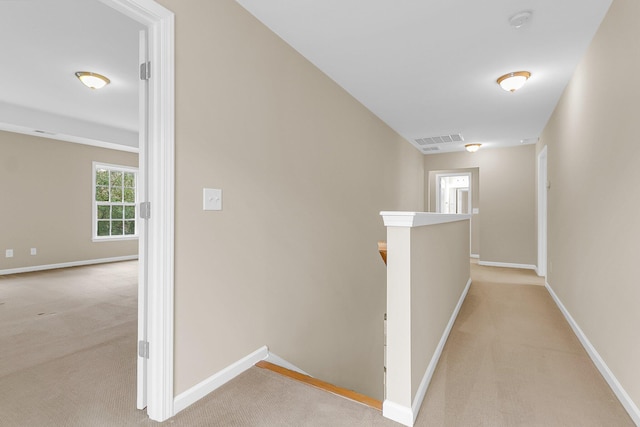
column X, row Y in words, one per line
column 429, row 68
column 425, row 67
column 43, row 43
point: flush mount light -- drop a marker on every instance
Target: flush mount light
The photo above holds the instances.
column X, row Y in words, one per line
column 92, row 80
column 513, row 81
column 472, row 148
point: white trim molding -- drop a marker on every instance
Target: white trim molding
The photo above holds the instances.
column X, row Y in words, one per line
column 542, row 207
column 398, row 413
column 67, row 264
column 507, row 265
column 160, row 176
column 418, row 219
column 475, row 256
column 200, row 390
column 626, row 401
column 277, row 360
column 426, row 379
column 68, row 138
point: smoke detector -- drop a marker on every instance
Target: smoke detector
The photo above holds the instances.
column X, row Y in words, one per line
column 520, row 19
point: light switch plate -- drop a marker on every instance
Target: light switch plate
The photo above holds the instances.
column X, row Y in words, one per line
column 476, row 211
column 8, row 253
column 212, row 199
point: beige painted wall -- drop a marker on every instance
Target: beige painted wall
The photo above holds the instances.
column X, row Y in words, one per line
column 507, row 228
column 439, row 272
column 46, row 201
column 291, row 262
column 593, row 232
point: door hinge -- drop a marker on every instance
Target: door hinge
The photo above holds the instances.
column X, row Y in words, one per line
column 145, row 70
column 145, row 210
column 143, row 349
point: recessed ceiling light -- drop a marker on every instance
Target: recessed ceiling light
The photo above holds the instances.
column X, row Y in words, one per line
column 472, row 148
column 513, row 81
column 92, row 80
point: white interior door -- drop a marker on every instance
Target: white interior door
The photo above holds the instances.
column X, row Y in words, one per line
column 156, row 166
column 542, row 212
column 143, row 192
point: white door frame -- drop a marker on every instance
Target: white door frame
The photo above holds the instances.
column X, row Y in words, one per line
column 143, row 223
column 442, row 175
column 542, row 213
column 470, row 202
column 159, row 176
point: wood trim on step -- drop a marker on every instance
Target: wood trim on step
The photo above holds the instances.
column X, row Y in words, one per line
column 343, row 392
column 382, row 248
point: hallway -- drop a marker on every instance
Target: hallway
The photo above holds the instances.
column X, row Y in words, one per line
column 511, row 360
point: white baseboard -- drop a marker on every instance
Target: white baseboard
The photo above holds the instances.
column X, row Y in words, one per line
column 200, row 390
column 66, row 264
column 507, row 265
column 277, row 360
column 398, row 413
column 403, row 414
column 621, row 394
column 426, row 379
column 476, row 256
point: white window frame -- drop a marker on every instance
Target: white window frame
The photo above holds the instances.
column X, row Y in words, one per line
column 95, row 203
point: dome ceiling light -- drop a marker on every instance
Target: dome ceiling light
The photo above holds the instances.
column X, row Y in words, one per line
column 513, row 81
column 92, row 80
column 472, row 148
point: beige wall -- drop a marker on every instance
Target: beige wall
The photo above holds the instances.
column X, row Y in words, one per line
column 47, row 201
column 439, row 272
column 507, row 229
column 291, row 262
column 593, row 232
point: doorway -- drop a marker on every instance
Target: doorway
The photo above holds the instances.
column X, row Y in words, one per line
column 454, row 196
column 542, row 213
column 156, row 176
column 157, row 160
column 453, row 193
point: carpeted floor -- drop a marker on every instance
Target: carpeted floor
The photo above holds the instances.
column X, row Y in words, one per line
column 513, row 360
column 68, row 356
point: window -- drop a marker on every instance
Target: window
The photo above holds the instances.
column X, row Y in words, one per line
column 114, row 202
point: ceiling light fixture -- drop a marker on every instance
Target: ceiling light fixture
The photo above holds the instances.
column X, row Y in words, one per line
column 92, row 80
column 472, row 148
column 513, row 81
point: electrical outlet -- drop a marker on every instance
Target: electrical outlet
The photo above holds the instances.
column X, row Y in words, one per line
column 34, row 251
column 8, row 253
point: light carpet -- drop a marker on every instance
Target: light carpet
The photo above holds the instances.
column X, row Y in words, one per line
column 68, row 358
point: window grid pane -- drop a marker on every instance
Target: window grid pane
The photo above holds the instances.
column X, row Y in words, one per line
column 129, row 212
column 104, row 228
column 115, row 202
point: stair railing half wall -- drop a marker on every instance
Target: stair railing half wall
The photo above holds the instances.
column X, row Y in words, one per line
column 428, row 275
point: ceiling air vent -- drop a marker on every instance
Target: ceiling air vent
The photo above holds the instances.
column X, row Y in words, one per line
column 425, row 149
column 439, row 139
